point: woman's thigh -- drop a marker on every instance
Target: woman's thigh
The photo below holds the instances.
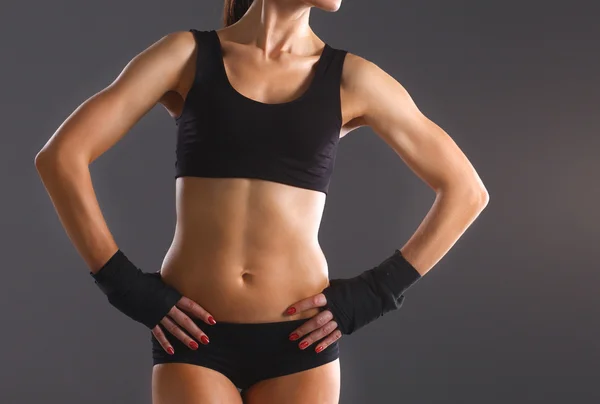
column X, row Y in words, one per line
column 181, row 383
column 320, row 385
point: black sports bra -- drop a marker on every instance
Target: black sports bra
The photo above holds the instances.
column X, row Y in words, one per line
column 223, row 134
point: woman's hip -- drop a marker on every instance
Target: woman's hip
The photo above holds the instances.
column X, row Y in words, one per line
column 247, row 352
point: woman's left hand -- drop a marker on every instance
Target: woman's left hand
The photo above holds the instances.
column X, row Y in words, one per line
column 321, row 327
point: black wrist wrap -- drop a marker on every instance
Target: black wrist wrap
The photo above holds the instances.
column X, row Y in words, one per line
column 357, row 301
column 142, row 296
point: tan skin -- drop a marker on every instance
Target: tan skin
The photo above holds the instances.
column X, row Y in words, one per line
column 246, row 250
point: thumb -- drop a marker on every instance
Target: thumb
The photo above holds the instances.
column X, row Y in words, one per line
column 318, row 300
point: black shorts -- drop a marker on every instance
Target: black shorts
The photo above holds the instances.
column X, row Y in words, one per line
column 247, row 353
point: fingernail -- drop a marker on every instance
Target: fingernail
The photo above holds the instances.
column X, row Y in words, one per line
column 211, row 320
column 170, row 351
column 304, row 344
column 319, row 349
column 204, row 339
column 291, row 310
column 294, row 337
column 193, row 345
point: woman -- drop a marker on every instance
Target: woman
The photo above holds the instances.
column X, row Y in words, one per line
column 260, row 106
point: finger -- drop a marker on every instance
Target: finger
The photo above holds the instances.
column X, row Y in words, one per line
column 162, row 339
column 331, row 338
column 195, row 310
column 184, row 321
column 314, row 323
column 178, row 332
column 318, row 334
column 309, row 303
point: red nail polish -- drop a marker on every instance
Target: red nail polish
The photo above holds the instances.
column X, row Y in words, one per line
column 204, row 339
column 294, row 337
column 193, row 345
column 291, row 310
column 170, row 351
column 319, row 349
column 211, row 320
column 304, row 344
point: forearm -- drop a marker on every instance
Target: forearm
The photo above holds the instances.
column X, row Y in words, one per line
column 69, row 185
column 452, row 213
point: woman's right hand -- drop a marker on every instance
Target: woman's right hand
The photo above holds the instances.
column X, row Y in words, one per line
column 177, row 322
column 147, row 299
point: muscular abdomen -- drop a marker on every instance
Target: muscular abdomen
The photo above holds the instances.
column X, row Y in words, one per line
column 246, row 249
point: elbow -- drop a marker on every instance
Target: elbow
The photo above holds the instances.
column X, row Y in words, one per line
column 481, row 197
column 474, row 195
column 46, row 161
column 475, row 192
column 50, row 161
column 478, row 196
column 485, row 197
column 42, row 161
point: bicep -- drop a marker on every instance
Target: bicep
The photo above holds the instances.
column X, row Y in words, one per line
column 393, row 115
column 104, row 118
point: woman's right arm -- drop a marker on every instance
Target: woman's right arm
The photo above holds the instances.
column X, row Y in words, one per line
column 63, row 164
column 94, row 127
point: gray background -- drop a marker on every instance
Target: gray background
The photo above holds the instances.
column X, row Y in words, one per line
column 510, row 315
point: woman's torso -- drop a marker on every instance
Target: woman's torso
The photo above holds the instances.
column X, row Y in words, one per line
column 245, row 249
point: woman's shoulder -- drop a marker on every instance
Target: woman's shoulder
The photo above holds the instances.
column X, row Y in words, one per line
column 182, row 41
column 357, row 70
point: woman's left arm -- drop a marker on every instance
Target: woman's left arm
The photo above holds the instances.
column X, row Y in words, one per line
column 384, row 104
column 374, row 98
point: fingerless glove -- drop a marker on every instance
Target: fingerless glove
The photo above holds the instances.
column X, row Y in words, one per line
column 357, row 301
column 142, row 296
